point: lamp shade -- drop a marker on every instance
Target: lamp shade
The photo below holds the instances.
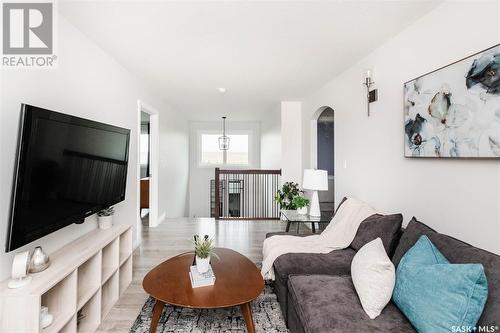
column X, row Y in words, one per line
column 315, row 180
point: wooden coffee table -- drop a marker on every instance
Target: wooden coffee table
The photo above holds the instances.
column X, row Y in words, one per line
column 238, row 282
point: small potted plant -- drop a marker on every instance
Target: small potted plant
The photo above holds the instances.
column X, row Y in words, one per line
column 202, row 249
column 105, row 218
column 285, row 195
column 301, row 203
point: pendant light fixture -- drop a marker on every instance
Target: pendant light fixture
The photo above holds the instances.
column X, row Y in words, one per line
column 224, row 139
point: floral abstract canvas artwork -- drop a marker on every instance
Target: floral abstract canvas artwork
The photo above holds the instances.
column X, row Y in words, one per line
column 454, row 112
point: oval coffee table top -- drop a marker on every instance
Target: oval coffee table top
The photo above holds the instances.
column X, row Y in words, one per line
column 238, row 281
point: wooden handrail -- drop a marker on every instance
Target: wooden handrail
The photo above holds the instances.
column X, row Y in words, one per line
column 248, row 171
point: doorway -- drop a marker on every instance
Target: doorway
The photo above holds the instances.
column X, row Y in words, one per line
column 323, row 152
column 147, row 166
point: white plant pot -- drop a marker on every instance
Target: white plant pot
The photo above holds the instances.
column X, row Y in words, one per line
column 105, row 222
column 202, row 264
column 302, row 211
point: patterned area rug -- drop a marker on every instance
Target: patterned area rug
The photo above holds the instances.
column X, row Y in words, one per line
column 266, row 314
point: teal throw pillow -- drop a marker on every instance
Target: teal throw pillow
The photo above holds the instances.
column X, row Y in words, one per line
column 437, row 296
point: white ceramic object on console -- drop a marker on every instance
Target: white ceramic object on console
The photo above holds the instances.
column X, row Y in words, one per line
column 105, row 222
column 39, row 260
column 45, row 317
column 202, row 264
column 20, row 266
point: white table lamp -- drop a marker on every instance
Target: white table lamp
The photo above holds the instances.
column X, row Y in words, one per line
column 315, row 180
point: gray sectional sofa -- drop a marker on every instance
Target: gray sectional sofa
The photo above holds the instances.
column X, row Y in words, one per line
column 316, row 293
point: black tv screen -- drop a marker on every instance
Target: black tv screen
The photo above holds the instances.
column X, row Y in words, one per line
column 67, row 168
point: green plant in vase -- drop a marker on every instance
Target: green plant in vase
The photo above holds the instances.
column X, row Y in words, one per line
column 105, row 218
column 285, row 195
column 301, row 203
column 203, row 248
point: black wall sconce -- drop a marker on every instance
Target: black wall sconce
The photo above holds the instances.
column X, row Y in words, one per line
column 371, row 96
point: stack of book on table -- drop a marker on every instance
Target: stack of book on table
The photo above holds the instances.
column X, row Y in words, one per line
column 201, row 280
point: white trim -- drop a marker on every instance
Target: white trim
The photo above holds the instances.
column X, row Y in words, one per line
column 314, row 136
column 314, row 144
column 154, row 167
column 162, row 218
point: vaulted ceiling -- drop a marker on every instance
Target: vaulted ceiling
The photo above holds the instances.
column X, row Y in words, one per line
column 260, row 51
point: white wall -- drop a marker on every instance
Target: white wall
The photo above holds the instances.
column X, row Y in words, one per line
column 200, row 176
column 457, row 197
column 270, row 140
column 291, row 142
column 173, row 186
column 88, row 83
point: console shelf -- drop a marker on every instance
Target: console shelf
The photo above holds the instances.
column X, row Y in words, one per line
column 110, row 294
column 86, row 276
column 125, row 274
column 110, row 259
column 89, row 279
column 125, row 245
column 91, row 315
column 61, row 300
column 70, row 326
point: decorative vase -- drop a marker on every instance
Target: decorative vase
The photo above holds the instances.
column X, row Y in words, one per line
column 302, row 210
column 105, row 222
column 39, row 260
column 202, row 264
column 45, row 317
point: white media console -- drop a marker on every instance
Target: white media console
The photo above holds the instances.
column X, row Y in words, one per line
column 87, row 275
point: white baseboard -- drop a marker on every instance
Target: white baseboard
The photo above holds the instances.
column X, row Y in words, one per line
column 136, row 245
column 162, row 218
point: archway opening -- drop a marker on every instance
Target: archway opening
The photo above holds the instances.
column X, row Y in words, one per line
column 325, row 155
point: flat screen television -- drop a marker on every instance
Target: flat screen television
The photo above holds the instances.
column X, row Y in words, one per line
column 67, row 168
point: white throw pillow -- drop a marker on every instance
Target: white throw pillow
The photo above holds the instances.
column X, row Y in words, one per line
column 373, row 276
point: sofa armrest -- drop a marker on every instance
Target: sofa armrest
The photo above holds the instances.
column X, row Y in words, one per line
column 337, row 262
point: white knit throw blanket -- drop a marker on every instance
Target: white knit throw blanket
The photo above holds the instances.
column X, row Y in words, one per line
column 339, row 234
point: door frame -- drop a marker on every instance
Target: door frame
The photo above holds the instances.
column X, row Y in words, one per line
column 154, row 141
column 314, row 136
column 314, row 144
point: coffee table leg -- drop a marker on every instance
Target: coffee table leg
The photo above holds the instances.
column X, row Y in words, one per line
column 157, row 310
column 247, row 314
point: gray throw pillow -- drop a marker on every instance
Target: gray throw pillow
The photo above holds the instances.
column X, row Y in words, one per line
column 387, row 227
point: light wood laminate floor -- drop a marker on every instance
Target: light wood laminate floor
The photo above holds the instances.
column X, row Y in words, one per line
column 172, row 237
